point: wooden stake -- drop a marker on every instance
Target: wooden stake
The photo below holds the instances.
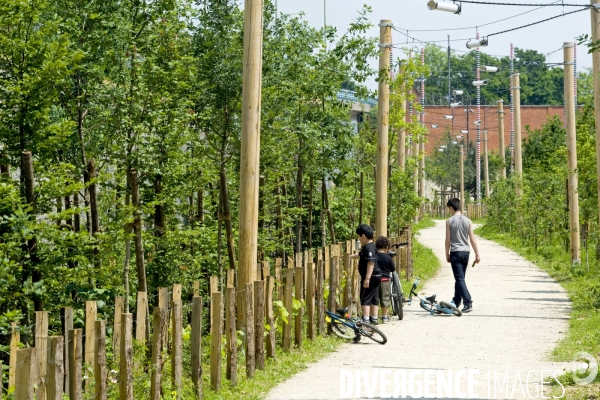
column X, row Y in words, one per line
column 231, row 336
column 250, row 339
column 227, row 218
column 15, row 338
column 259, row 323
column 158, row 321
column 486, row 172
column 140, row 323
column 298, row 296
column 100, row 361
column 278, row 278
column 250, row 139
column 126, row 359
column 518, row 154
column 287, row 303
column 572, row 152
column 55, row 372
column 310, row 300
column 196, row 344
column 119, row 308
column 332, row 301
column 177, row 348
column 501, row 138
column 26, row 378
column 163, row 302
column 271, row 335
column 41, row 345
column 348, row 275
column 320, row 299
column 215, row 347
column 230, row 278
column 75, row 355
column 197, row 288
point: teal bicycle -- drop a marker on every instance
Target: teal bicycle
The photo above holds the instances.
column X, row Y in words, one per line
column 354, row 328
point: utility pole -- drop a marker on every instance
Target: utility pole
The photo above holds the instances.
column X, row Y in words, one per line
column 501, row 137
column 595, row 74
column 486, row 172
column 518, row 155
column 422, row 144
column 449, row 92
column 462, row 179
column 385, row 45
column 478, row 148
column 250, row 141
column 572, row 151
column 512, row 110
column 401, row 144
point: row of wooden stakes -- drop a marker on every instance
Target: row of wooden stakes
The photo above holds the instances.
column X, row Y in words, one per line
column 55, row 365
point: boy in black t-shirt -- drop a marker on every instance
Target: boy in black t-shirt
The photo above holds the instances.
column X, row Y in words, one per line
column 387, row 266
column 370, row 275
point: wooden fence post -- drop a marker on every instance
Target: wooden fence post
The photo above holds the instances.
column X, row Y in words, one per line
column 213, row 287
column 310, row 300
column 320, row 299
column 215, row 347
column 259, row 323
column 15, row 338
column 67, row 325
column 41, row 345
column 26, row 377
column 231, row 337
column 141, row 317
column 55, row 372
column 278, row 279
column 158, row 322
column 163, row 302
column 298, row 286
column 196, row 340
column 119, row 310
column 75, row 355
column 287, row 303
column 91, row 311
column 231, row 277
column 177, row 348
column 348, row 286
column 100, row 361
column 196, row 288
column 126, row 359
column 270, row 318
column 332, row 300
column 250, row 339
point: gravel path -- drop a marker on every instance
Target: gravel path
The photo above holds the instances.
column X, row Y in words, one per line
column 519, row 315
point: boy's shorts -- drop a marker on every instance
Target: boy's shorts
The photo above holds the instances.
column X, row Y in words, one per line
column 370, row 296
column 385, row 292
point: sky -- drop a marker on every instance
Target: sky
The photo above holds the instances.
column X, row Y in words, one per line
column 414, row 14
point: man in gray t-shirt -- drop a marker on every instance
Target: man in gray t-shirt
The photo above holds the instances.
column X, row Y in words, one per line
column 459, row 232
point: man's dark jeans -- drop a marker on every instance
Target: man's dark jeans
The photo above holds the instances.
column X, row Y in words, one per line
column 460, row 263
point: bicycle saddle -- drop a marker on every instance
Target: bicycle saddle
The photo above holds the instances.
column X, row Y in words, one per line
column 342, row 311
column 431, row 298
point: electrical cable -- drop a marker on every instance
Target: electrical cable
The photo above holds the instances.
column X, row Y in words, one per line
column 488, row 3
column 535, row 23
column 474, row 27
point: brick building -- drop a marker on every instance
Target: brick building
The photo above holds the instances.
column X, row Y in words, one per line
column 532, row 116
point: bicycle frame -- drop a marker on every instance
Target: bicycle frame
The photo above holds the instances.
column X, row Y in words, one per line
column 349, row 322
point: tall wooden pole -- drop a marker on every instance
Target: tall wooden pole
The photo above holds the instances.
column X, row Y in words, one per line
column 572, row 151
column 401, row 143
column 486, row 171
column 250, row 146
column 518, row 154
column 501, row 137
column 596, row 74
column 422, row 143
column 385, row 44
column 462, row 179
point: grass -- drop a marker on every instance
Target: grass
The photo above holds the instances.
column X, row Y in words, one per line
column 583, row 288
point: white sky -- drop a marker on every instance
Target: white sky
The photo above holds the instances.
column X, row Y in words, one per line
column 414, row 14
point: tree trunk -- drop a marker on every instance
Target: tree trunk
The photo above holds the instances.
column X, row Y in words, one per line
column 323, row 214
column 299, row 178
column 4, row 166
column 310, row 211
column 128, row 229
column 93, row 193
column 159, row 211
column 329, row 217
column 200, row 198
column 137, row 229
column 76, row 217
column 227, row 219
column 280, row 221
column 31, row 246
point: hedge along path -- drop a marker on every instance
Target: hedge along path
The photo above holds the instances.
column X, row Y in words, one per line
column 519, row 315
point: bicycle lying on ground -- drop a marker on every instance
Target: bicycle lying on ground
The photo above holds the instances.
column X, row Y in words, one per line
column 352, row 328
column 431, row 305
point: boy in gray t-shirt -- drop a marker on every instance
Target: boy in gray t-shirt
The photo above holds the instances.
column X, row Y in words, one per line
column 459, row 232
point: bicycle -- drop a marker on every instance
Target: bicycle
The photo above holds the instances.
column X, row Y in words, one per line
column 396, row 293
column 345, row 327
column 431, row 305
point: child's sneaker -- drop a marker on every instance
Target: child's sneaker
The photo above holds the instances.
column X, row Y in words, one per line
column 385, row 320
column 374, row 321
column 365, row 319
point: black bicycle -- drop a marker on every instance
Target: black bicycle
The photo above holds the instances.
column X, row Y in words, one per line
column 396, row 293
column 344, row 326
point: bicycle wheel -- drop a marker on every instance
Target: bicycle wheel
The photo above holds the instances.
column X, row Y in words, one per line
column 427, row 306
column 452, row 307
column 341, row 330
column 372, row 332
column 397, row 297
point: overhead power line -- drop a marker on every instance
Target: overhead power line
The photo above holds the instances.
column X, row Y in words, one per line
column 555, row 4
column 538, row 22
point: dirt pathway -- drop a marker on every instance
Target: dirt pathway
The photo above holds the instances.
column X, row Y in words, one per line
column 519, row 315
